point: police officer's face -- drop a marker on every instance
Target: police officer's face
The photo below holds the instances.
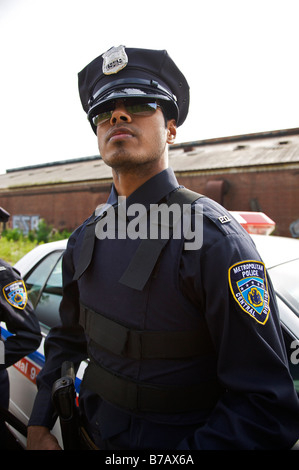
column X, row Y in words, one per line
column 127, row 141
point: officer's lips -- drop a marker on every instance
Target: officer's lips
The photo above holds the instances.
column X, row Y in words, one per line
column 120, row 133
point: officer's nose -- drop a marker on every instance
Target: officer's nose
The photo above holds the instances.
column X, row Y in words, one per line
column 120, row 114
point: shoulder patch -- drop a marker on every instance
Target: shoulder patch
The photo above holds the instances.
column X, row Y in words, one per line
column 16, row 294
column 248, row 284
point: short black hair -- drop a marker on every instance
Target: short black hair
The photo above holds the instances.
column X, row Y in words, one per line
column 166, row 110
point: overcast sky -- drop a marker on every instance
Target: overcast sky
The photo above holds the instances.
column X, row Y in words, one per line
column 240, row 58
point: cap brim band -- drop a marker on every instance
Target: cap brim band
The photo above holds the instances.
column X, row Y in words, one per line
column 130, row 88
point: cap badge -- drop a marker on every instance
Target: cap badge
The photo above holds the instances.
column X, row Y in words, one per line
column 114, row 60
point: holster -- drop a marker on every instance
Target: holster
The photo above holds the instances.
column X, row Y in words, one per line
column 64, row 399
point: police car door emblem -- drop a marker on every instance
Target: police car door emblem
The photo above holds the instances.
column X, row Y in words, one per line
column 248, row 284
column 16, row 294
column 114, row 60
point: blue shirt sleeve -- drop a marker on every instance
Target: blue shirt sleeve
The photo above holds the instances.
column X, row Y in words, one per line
column 259, row 409
column 65, row 342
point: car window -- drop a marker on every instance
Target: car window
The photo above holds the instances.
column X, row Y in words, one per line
column 292, row 347
column 289, row 323
column 285, row 278
column 44, row 285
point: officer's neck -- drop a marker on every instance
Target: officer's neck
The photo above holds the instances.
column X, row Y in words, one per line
column 126, row 182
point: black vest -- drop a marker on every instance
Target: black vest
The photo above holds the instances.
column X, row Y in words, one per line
column 149, row 347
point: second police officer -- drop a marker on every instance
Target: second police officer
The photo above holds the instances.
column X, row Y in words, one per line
column 185, row 345
column 17, row 313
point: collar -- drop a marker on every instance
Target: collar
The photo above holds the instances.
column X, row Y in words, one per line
column 151, row 192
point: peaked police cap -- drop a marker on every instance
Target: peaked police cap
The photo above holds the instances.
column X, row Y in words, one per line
column 128, row 72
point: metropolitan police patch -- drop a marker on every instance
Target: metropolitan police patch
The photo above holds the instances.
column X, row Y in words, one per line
column 16, row 294
column 248, row 284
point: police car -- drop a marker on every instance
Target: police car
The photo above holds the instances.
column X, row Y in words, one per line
column 42, row 271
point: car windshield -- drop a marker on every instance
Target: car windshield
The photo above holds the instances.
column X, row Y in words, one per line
column 285, row 278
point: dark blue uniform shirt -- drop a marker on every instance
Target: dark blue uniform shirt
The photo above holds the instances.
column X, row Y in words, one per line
column 222, row 289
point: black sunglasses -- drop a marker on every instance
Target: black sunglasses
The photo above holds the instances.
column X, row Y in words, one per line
column 136, row 106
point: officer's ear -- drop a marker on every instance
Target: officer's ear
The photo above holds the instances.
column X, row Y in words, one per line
column 171, row 131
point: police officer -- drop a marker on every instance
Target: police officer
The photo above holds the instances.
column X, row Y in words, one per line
column 184, row 343
column 17, row 313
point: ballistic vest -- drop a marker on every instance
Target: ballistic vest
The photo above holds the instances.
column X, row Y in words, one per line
column 149, row 350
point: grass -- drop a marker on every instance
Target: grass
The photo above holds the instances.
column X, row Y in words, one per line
column 11, row 251
column 14, row 245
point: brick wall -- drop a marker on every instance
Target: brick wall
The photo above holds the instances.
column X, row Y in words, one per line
column 275, row 192
column 62, row 207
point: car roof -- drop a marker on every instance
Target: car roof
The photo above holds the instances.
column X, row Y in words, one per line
column 276, row 250
column 32, row 257
column 273, row 250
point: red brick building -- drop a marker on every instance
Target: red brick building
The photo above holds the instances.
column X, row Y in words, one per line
column 250, row 172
